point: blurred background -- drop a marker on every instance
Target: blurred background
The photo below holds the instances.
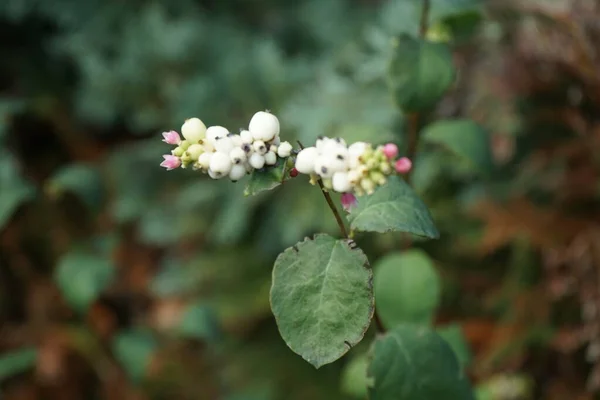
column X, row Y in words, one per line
column 119, row 280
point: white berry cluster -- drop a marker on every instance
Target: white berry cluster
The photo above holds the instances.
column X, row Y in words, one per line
column 358, row 168
column 219, row 153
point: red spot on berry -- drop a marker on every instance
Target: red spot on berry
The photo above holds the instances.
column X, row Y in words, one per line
column 293, row 172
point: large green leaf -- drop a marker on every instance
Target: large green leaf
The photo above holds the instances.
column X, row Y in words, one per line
column 17, row 361
column 134, row 350
column 420, row 73
column 322, row 297
column 14, row 190
column 354, row 377
column 407, row 288
column 412, row 362
column 81, row 277
column 455, row 337
column 83, row 180
column 198, row 322
column 464, row 138
column 393, row 207
column 267, row 178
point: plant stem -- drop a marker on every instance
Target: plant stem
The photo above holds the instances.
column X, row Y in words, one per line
column 378, row 323
column 413, row 118
column 331, row 205
column 413, row 140
column 334, row 209
column 424, row 18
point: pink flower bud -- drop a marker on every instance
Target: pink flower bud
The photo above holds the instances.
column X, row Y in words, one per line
column 390, row 150
column 348, row 201
column 171, row 137
column 170, row 162
column 403, row 165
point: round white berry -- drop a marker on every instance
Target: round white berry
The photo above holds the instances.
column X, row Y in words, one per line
column 214, row 175
column 247, row 148
column 305, row 161
column 193, row 130
column 204, row 160
column 260, row 147
column 236, row 140
column 284, row 149
column 237, row 172
column 194, row 151
column 214, row 132
column 270, row 158
column 340, row 182
column 353, row 176
column 237, row 155
column 257, row 161
column 332, row 146
column 357, row 149
column 220, row 164
column 246, row 136
column 264, row 126
column 223, row 144
column 322, row 168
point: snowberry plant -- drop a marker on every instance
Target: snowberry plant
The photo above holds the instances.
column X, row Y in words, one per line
column 322, row 293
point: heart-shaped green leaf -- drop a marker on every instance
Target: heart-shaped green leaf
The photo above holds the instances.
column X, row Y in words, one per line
column 463, row 137
column 81, row 277
column 267, row 178
column 322, row 297
column 453, row 334
column 407, row 288
column 420, row 73
column 393, row 207
column 17, row 361
column 412, row 362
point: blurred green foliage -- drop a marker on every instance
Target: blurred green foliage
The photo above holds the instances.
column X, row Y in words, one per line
column 120, row 280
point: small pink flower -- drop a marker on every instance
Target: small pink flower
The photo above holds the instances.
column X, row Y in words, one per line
column 403, row 165
column 171, row 137
column 348, row 201
column 390, row 150
column 170, row 162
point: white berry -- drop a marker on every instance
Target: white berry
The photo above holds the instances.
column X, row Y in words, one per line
column 353, row 176
column 224, row 144
column 193, row 130
column 236, row 140
column 246, row 137
column 305, row 161
column 260, row 147
column 264, row 126
column 270, row 158
column 237, row 172
column 204, row 160
column 194, row 151
column 220, row 164
column 214, row 132
column 214, row 175
column 322, row 168
column 340, row 182
column 237, row 155
column 284, row 149
column 257, row 161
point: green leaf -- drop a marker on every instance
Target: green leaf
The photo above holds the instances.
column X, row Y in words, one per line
column 412, row 362
column 322, row 297
column 463, row 137
column 83, row 180
column 81, row 277
column 393, row 207
column 198, row 322
column 134, row 350
column 354, row 377
column 267, row 178
column 420, row 73
column 17, row 361
column 407, row 288
column 455, row 337
column 14, row 189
